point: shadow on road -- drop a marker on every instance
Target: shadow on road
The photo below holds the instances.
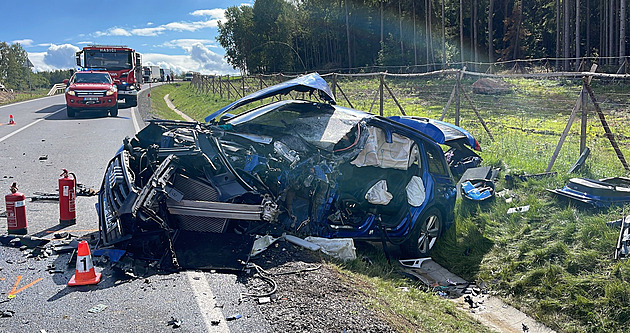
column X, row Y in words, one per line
column 51, row 109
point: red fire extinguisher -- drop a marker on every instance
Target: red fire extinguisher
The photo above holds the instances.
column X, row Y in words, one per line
column 16, row 211
column 67, row 197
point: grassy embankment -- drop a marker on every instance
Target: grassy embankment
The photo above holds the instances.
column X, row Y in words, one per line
column 555, row 261
column 8, row 98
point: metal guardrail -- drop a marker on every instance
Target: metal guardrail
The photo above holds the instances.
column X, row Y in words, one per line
column 57, row 88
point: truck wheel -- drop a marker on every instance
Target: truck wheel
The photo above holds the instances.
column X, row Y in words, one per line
column 70, row 111
column 424, row 235
column 113, row 112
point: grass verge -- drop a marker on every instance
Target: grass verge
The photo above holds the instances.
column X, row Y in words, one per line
column 555, row 262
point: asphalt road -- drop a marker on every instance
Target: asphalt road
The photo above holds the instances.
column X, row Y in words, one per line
column 33, row 152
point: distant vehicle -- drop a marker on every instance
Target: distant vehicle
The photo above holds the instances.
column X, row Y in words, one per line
column 122, row 63
column 151, row 74
column 165, row 73
column 188, row 76
column 91, row 90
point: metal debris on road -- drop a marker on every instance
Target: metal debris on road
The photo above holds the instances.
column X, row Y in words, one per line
column 97, row 308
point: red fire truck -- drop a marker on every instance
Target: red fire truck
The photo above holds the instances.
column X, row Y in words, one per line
column 123, row 64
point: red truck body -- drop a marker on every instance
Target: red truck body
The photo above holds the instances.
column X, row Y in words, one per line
column 122, row 63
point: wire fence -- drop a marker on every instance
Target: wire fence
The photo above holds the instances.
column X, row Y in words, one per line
column 540, row 103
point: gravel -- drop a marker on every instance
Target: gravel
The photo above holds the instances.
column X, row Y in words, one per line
column 310, row 296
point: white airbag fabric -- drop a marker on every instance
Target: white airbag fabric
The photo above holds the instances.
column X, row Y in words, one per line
column 378, row 152
column 415, row 191
column 378, row 195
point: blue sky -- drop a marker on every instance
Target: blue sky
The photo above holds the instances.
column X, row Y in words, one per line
column 176, row 34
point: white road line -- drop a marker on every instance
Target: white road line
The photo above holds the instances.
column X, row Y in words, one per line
column 26, row 101
column 29, row 125
column 207, row 305
column 135, row 121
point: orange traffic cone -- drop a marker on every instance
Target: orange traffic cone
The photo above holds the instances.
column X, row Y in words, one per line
column 11, row 121
column 84, row 273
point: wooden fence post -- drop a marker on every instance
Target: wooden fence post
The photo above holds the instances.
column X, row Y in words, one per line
column 609, row 134
column 380, row 91
column 563, row 137
column 334, row 85
column 457, row 100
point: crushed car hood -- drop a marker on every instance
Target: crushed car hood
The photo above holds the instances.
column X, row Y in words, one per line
column 307, row 83
column 439, row 131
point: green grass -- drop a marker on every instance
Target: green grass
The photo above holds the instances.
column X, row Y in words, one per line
column 555, row 261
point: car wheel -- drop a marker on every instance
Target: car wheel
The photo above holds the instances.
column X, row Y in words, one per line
column 70, row 111
column 424, row 235
column 113, row 112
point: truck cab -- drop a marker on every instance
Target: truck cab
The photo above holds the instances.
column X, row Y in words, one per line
column 123, row 64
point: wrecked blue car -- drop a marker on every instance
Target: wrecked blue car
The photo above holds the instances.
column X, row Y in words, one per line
column 300, row 167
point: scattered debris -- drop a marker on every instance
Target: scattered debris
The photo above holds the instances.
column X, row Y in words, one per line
column 580, row 162
column 43, row 157
column 7, row 314
column 97, row 308
column 215, row 322
column 340, row 248
column 525, row 177
column 301, row 242
column 176, row 323
column 264, row 300
column 481, row 180
column 478, row 189
column 521, row 209
column 597, row 193
column 234, row 317
column 623, row 242
column 262, row 243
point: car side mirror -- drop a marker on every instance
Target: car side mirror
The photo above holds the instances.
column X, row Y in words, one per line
column 66, row 82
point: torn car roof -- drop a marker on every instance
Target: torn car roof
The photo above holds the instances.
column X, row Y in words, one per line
column 307, row 83
column 441, row 132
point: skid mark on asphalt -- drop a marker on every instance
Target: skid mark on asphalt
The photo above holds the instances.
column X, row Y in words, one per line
column 19, row 278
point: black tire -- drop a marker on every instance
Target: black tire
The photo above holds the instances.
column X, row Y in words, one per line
column 70, row 112
column 424, row 235
column 113, row 112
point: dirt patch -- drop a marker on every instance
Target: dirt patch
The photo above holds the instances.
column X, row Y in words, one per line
column 311, row 296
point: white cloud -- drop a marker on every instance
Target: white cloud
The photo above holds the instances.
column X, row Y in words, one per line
column 60, row 56
column 149, row 23
column 113, row 32
column 85, row 43
column 199, row 59
column 45, row 44
column 187, row 43
column 37, row 58
column 217, row 13
column 23, row 42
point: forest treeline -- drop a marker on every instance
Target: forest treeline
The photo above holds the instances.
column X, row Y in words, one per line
column 14, row 75
column 304, row 35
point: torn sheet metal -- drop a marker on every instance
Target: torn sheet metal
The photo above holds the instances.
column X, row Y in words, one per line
column 623, row 242
column 262, row 243
column 598, row 193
